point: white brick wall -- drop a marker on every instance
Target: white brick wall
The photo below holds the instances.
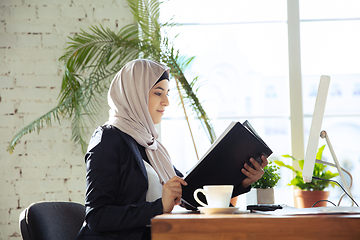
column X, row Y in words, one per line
column 49, row 166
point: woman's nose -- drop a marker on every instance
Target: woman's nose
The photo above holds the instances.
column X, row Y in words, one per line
column 166, row 101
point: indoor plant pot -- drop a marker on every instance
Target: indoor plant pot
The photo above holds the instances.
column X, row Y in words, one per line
column 260, row 196
column 233, row 201
column 306, row 199
column 262, row 191
column 308, row 193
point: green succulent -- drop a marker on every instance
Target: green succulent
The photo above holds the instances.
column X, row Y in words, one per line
column 319, row 171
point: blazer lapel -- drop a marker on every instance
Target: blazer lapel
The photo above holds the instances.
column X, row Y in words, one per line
column 134, row 149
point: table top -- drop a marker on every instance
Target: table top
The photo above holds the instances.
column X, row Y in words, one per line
column 286, row 212
column 246, row 225
column 189, row 215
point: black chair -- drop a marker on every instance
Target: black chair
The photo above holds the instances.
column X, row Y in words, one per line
column 51, row 221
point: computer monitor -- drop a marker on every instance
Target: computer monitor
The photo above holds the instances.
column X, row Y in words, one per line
column 312, row 146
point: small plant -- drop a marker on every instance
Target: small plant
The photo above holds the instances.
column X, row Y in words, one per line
column 319, row 171
column 270, row 177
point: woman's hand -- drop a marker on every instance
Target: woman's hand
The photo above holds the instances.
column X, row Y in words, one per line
column 171, row 193
column 253, row 174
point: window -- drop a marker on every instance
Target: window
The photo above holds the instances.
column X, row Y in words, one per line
column 330, row 46
column 241, row 50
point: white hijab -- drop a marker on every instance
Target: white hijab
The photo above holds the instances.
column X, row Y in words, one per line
column 128, row 99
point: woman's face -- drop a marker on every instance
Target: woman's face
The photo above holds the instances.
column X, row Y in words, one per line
column 158, row 100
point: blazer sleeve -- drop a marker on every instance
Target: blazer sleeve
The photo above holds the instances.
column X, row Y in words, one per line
column 116, row 189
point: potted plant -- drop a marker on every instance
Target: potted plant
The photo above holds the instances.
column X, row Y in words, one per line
column 92, row 59
column 309, row 194
column 262, row 191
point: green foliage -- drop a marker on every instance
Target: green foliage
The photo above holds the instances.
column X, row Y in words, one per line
column 92, row 59
column 319, row 171
column 270, row 177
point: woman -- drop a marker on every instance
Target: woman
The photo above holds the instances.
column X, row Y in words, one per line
column 130, row 177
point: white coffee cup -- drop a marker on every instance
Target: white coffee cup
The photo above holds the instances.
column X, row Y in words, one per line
column 217, row 196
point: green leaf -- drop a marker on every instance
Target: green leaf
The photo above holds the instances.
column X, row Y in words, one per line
column 288, row 156
column 301, row 164
column 270, row 177
column 320, row 152
column 282, row 164
column 38, row 124
column 319, row 171
column 92, row 58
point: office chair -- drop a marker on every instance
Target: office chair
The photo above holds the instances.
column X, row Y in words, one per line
column 51, row 221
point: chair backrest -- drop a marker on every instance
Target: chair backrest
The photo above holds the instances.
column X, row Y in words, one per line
column 51, row 221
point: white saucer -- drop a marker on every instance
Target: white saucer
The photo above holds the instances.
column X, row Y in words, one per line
column 228, row 210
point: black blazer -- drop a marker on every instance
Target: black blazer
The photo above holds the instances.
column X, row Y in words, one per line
column 116, row 186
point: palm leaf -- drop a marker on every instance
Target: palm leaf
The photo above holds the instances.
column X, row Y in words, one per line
column 146, row 14
column 91, row 60
column 174, row 61
column 38, row 124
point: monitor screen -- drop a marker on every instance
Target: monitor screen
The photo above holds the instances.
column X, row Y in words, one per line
column 312, row 147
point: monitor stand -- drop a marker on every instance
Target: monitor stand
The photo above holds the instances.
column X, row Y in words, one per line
column 323, row 135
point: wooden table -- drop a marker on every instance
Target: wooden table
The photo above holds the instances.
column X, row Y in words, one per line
column 255, row 226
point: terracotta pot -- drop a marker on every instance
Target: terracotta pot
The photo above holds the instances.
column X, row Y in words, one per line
column 305, row 199
column 233, row 201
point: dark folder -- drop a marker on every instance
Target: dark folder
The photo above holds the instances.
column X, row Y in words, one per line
column 222, row 163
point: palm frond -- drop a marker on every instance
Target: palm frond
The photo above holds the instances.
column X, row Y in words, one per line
column 79, row 129
column 174, row 62
column 100, row 47
column 91, row 60
column 109, row 53
column 37, row 125
column 146, row 14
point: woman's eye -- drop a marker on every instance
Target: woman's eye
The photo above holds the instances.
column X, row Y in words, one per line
column 159, row 94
